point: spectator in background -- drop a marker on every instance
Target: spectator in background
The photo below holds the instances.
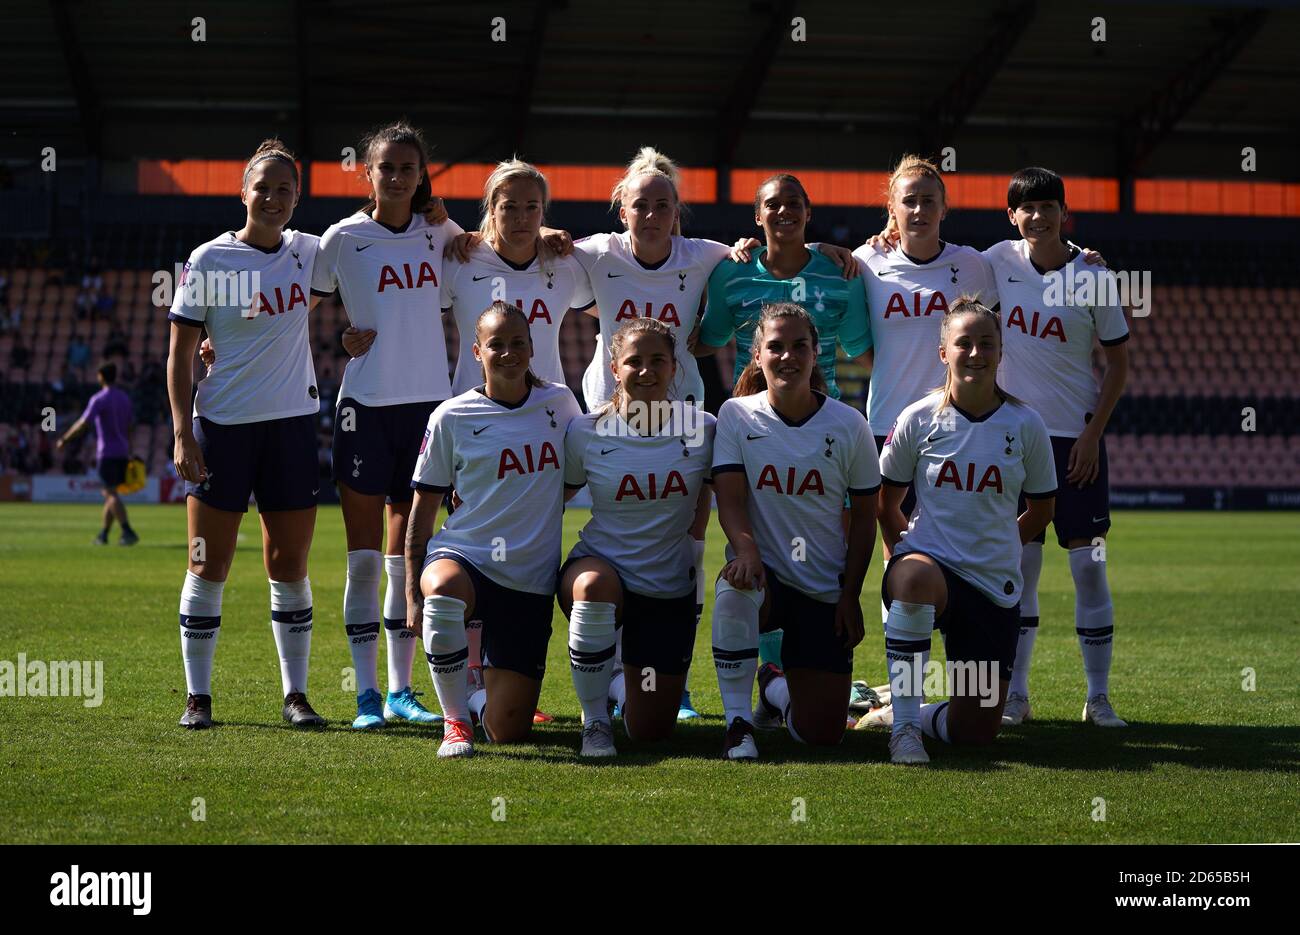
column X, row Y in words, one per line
column 4, row 290
column 116, row 345
column 20, row 358
column 78, row 355
column 109, row 411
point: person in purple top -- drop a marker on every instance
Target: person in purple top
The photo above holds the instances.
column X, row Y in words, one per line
column 109, row 411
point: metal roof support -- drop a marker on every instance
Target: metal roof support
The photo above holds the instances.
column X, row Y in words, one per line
column 301, row 17
column 528, row 78
column 950, row 110
column 734, row 114
column 1139, row 136
column 79, row 76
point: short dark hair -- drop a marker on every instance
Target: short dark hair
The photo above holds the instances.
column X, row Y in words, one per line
column 1035, row 184
column 108, row 372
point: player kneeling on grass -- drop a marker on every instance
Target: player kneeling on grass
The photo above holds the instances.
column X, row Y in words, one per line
column 501, row 446
column 647, row 463
column 784, row 458
column 253, row 429
column 969, row 450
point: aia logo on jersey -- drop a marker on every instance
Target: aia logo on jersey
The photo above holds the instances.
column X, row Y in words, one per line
column 890, row 437
column 949, row 473
column 539, row 311
column 424, row 442
column 262, row 302
column 531, row 462
column 628, row 487
column 667, row 314
column 811, row 483
column 899, row 305
column 403, row 278
column 1052, row 328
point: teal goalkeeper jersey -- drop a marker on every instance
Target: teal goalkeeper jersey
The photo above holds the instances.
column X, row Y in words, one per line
column 738, row 291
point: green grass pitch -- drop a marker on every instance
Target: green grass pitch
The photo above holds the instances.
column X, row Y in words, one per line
column 1199, row 598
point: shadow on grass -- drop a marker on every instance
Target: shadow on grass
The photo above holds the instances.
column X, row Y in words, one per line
column 1067, row 745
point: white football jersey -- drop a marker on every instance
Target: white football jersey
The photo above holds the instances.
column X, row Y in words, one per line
column 390, row 282
column 543, row 292
column 798, row 476
column 968, row 475
column 670, row 292
column 906, row 302
column 254, row 304
column 1048, row 327
column 644, row 490
column 507, row 465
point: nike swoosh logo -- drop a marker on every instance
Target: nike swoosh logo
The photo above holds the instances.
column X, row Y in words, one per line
column 299, row 618
column 1100, row 519
column 605, row 451
column 483, row 429
column 748, row 302
column 1009, row 279
column 750, row 438
column 480, row 278
column 366, row 247
column 614, row 275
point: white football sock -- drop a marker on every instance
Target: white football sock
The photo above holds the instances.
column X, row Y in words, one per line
column 477, row 705
column 907, row 647
column 446, row 649
column 401, row 641
column 474, row 639
column 200, row 621
column 735, row 647
column 361, row 615
column 934, row 721
column 1094, row 618
column 1031, row 568
column 618, row 689
column 291, row 623
column 591, row 656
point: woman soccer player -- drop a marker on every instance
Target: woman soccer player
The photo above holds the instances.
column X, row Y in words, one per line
column 651, row 271
column 785, row 457
column 501, row 445
column 511, row 264
column 646, row 463
column 969, row 451
column 785, row 270
column 253, row 429
column 387, row 263
column 1049, row 365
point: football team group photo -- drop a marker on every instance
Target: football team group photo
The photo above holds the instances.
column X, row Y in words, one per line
column 727, row 423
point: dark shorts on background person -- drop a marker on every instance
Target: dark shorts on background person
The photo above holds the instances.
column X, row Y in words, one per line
column 974, row 627
column 909, row 499
column 809, row 639
column 658, row 632
column 1080, row 513
column 516, row 624
column 274, row 461
column 376, row 447
column 112, row 471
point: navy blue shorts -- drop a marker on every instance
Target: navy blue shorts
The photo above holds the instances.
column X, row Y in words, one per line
column 516, row 624
column 275, row 461
column 809, row 640
column 376, row 447
column 974, row 627
column 658, row 632
column 1080, row 514
column 112, row 471
column 909, row 499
